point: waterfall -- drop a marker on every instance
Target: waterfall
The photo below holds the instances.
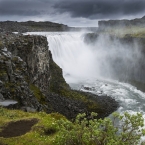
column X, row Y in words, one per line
column 104, row 59
column 76, row 59
column 98, row 66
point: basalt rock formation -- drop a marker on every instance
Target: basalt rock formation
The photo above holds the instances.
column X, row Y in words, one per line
column 29, row 76
column 23, row 67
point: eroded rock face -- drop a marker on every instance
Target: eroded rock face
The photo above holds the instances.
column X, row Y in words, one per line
column 25, row 74
column 29, row 75
column 33, row 50
column 13, row 80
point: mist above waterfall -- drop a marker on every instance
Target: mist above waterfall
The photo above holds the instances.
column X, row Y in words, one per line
column 76, row 59
column 117, row 59
column 105, row 58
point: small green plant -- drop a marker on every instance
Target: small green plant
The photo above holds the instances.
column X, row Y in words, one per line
column 101, row 131
column 38, row 94
column 1, row 45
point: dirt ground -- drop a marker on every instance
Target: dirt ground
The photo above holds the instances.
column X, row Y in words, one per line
column 3, row 144
column 18, row 128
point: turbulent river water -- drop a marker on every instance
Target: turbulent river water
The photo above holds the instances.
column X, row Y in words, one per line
column 87, row 66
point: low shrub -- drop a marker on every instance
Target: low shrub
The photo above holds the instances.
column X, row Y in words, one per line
column 101, row 131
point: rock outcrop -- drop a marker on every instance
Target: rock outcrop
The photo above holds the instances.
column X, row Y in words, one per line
column 31, row 26
column 24, row 69
column 122, row 23
column 29, row 76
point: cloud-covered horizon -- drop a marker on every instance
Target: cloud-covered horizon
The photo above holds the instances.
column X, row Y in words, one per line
column 71, row 12
column 101, row 9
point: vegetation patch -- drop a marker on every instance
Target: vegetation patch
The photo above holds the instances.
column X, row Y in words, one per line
column 101, row 132
column 55, row 129
column 1, row 45
column 82, row 97
column 57, row 82
column 134, row 31
column 43, row 127
column 38, row 94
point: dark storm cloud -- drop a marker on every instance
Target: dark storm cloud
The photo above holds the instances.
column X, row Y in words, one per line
column 99, row 9
column 23, row 7
column 19, row 12
column 70, row 10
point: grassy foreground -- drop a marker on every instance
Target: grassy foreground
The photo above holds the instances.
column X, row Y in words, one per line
column 42, row 133
column 55, row 129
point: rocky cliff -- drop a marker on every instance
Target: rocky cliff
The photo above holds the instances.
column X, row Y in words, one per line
column 140, row 22
column 24, row 66
column 31, row 26
column 29, row 76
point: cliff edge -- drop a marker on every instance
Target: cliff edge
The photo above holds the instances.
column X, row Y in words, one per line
column 31, row 26
column 29, row 76
column 138, row 22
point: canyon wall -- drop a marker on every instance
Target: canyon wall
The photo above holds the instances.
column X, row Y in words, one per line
column 29, row 76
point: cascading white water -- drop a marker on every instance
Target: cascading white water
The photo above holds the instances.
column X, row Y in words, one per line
column 80, row 61
column 91, row 65
column 72, row 55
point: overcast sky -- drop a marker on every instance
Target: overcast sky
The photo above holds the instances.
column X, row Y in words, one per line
column 71, row 12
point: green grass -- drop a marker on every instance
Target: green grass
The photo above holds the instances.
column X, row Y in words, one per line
column 42, row 133
column 55, row 129
column 1, row 45
column 38, row 94
column 121, row 32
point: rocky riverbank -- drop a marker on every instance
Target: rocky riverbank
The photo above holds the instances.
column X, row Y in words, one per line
column 29, row 76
